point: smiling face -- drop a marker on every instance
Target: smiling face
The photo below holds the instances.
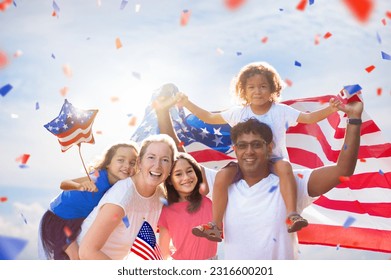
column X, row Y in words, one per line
column 155, row 163
column 183, row 178
column 122, row 164
column 258, row 90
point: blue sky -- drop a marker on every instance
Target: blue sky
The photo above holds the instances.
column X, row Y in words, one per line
column 200, row 58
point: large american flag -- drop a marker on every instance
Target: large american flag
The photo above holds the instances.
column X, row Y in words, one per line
column 355, row 214
column 72, row 126
column 145, row 245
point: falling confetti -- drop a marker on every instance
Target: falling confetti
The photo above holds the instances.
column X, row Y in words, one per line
column 312, row 2
column 381, row 172
column 4, row 90
column 56, row 8
column 185, row 16
column 361, row 10
column 369, row 69
column 123, row 4
column 66, row 68
column 53, row 56
column 238, row 53
column 298, row 64
column 3, row 199
column 378, row 37
column 137, row 8
column 327, row 35
column 67, row 231
column 163, row 200
column 343, row 179
column 345, row 146
column 126, row 221
column 288, row 82
column 384, row 21
column 24, row 218
column 3, row 6
column 234, row 4
column 317, row 39
column 349, row 221
column 136, row 75
column 379, row 91
column 385, row 56
column 272, row 189
column 118, row 43
column 363, row 160
column 3, row 59
column 388, row 14
column 302, row 5
column 264, row 39
column 23, row 158
column 300, row 175
column 132, row 121
column 64, row 91
column 36, row 105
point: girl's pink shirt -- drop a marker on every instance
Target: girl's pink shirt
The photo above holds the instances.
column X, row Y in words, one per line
column 179, row 223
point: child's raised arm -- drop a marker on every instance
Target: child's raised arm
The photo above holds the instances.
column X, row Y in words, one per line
column 204, row 115
column 316, row 116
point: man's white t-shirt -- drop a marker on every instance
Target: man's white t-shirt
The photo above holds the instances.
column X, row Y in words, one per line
column 254, row 221
column 279, row 117
column 137, row 210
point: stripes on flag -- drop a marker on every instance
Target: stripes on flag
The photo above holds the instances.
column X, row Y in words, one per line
column 145, row 245
column 72, row 126
column 366, row 196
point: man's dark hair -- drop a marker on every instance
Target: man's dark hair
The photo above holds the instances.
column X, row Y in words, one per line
column 254, row 126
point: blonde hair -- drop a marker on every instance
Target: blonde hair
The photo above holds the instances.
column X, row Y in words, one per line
column 239, row 82
column 163, row 138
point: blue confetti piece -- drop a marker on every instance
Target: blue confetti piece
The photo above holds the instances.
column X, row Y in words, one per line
column 286, row 126
column 126, row 221
column 11, row 247
column 14, row 4
column 272, row 189
column 385, row 56
column 23, row 166
column 378, row 37
column 5, row 89
column 56, row 7
column 298, row 64
column 24, row 218
column 123, row 4
column 281, row 9
column 352, row 88
column 381, row 172
column 238, row 53
column 36, row 106
column 345, row 146
column 349, row 221
column 163, row 200
column 312, row 2
column 53, row 56
column 275, row 240
column 337, row 247
column 185, row 11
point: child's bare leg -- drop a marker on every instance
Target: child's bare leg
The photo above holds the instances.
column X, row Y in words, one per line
column 223, row 180
column 288, row 189
column 73, row 251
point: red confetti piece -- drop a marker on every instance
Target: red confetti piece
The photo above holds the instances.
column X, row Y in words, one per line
column 288, row 82
column 301, row 6
column 132, row 121
column 66, row 68
column 388, row 14
column 379, row 91
column 114, row 98
column 64, row 91
column 264, row 39
column 181, row 144
column 67, row 231
column 360, row 9
column 54, row 14
column 344, row 179
column 23, row 158
column 317, row 39
column 5, row 4
column 300, row 175
column 96, row 174
column 369, row 69
column 99, row 132
column 3, row 59
column 327, row 35
column 234, row 4
column 185, row 16
column 363, row 160
column 384, row 21
column 118, row 43
column 3, row 199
